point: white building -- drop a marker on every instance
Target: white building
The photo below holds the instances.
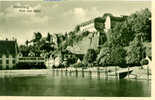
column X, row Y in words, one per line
column 87, row 26
column 8, row 54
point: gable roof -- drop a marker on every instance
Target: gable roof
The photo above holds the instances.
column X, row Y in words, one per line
column 8, row 47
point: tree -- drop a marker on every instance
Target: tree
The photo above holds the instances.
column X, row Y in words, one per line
column 118, row 55
column 77, row 28
column 37, row 37
column 103, row 38
column 90, row 56
column 35, row 49
column 111, row 56
column 47, row 47
column 137, row 23
column 144, row 62
column 148, row 50
column 103, row 58
column 121, row 34
column 24, row 50
column 99, row 24
column 135, row 52
column 141, row 23
column 48, row 38
column 27, row 42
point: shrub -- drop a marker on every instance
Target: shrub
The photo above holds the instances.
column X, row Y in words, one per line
column 144, row 62
column 90, row 56
column 135, row 52
column 76, row 65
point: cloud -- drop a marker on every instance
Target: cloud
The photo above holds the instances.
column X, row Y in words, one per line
column 21, row 25
column 25, row 12
column 14, row 16
column 83, row 14
column 79, row 12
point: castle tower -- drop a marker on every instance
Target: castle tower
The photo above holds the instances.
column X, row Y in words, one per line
column 107, row 24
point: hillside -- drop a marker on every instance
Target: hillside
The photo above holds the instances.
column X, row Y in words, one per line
column 88, row 42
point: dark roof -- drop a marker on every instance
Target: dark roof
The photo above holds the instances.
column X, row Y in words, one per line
column 8, row 47
column 115, row 18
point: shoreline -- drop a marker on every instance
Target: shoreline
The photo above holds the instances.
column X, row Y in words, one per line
column 112, row 72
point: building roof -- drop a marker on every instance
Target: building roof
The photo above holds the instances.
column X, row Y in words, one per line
column 115, row 18
column 8, row 47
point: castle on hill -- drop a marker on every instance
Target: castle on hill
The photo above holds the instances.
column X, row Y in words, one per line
column 94, row 27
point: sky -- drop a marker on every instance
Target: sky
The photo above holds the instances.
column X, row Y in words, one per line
column 57, row 16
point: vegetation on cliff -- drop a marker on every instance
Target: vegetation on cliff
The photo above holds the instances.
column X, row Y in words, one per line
column 122, row 45
column 126, row 40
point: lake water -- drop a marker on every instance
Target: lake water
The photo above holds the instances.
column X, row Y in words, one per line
column 57, row 85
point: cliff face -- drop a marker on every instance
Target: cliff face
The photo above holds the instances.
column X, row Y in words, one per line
column 89, row 42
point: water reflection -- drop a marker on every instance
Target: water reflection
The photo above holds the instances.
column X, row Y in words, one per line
column 59, row 85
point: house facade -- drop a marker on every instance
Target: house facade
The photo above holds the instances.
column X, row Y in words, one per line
column 87, row 26
column 8, row 54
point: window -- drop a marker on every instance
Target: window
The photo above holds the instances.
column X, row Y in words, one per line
column 14, row 61
column 7, row 61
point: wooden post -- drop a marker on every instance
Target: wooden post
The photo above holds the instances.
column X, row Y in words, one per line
column 82, row 72
column 76, row 72
column 90, row 73
column 98, row 72
column 106, row 72
column 48, row 65
column 61, row 72
column 128, row 72
column 53, row 71
column 65, row 71
column 148, row 72
column 115, row 73
column 70, row 72
column 56, row 71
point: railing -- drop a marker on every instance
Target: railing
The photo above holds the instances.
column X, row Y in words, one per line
column 31, row 59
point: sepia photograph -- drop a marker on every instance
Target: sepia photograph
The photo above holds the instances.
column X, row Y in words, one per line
column 76, row 48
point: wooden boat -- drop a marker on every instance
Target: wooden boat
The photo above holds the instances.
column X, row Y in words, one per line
column 124, row 73
column 121, row 73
